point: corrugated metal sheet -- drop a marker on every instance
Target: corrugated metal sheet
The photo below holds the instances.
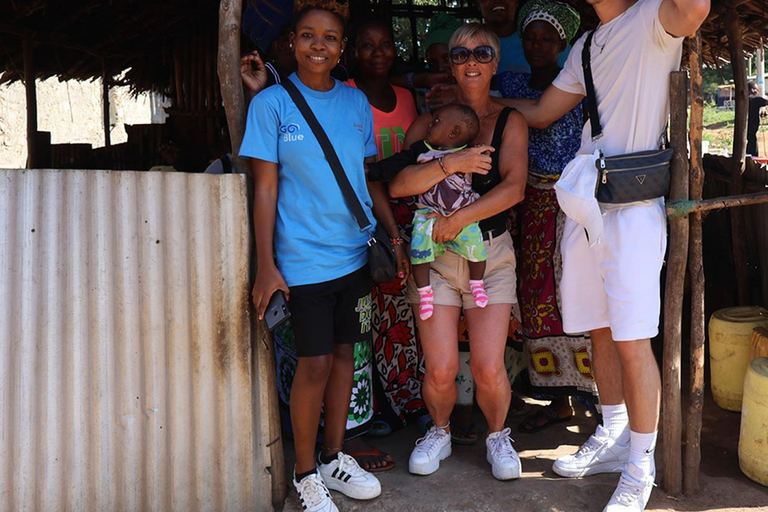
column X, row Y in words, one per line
column 126, row 378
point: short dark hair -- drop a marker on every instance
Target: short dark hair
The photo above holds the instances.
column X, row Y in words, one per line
column 339, row 8
column 751, row 86
column 468, row 118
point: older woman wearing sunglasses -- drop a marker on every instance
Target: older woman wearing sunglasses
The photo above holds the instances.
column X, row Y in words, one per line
column 499, row 163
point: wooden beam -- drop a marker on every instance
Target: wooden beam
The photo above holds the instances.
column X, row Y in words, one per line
column 672, row 424
column 269, row 444
column 105, row 102
column 31, row 90
column 676, row 209
column 230, row 14
column 696, row 264
column 733, row 29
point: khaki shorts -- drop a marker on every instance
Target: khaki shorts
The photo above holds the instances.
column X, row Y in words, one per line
column 449, row 277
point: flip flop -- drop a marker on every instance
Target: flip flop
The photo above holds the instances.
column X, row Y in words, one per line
column 463, row 435
column 389, row 464
column 529, row 424
column 379, row 428
column 518, row 407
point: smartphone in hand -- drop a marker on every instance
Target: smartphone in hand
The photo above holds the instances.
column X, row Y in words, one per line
column 277, row 310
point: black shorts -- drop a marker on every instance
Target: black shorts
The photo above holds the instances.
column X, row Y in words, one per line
column 333, row 312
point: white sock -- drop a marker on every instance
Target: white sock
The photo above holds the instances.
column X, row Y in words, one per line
column 641, row 450
column 616, row 420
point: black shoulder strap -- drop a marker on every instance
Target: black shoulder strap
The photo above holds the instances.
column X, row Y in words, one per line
column 498, row 133
column 330, row 154
column 498, row 130
column 594, row 119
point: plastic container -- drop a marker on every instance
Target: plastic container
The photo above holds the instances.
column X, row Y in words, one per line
column 729, row 350
column 753, row 439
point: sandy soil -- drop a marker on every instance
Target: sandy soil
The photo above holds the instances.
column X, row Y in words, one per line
column 464, row 481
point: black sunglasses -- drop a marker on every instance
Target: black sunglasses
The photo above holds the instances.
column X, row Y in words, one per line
column 483, row 54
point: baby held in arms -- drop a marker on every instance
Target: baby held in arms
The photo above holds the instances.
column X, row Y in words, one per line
column 452, row 128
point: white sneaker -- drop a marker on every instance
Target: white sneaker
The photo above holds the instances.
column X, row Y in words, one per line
column 631, row 495
column 314, row 495
column 429, row 451
column 600, row 454
column 504, row 461
column 345, row 475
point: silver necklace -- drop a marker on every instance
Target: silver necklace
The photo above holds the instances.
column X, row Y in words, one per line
column 608, row 34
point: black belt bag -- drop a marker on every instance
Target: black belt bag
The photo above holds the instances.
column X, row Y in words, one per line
column 633, row 176
column 630, row 177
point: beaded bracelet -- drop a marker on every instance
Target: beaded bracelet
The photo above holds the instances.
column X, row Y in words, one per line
column 397, row 241
column 442, row 166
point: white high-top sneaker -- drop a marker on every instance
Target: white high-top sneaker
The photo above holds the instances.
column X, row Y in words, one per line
column 600, row 454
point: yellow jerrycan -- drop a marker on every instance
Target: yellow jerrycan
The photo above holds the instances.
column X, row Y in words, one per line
column 730, row 330
column 753, row 439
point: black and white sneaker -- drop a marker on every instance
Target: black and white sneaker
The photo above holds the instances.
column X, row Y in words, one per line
column 313, row 494
column 345, row 475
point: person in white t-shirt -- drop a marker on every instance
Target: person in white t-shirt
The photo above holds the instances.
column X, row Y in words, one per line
column 611, row 284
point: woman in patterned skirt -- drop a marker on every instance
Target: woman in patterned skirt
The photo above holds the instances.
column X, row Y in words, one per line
column 559, row 364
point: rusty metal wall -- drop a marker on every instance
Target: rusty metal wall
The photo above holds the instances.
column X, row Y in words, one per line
column 126, row 377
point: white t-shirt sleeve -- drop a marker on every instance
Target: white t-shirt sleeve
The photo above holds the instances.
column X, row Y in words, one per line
column 571, row 77
column 649, row 14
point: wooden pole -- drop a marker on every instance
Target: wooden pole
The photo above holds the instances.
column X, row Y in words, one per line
column 230, row 14
column 270, row 442
column 31, row 90
column 105, row 102
column 733, row 29
column 672, row 424
column 677, row 209
column 696, row 265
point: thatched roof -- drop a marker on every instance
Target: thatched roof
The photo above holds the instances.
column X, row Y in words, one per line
column 77, row 39
column 80, row 38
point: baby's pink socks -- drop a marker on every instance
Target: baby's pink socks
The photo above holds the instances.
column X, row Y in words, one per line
column 478, row 293
column 426, row 302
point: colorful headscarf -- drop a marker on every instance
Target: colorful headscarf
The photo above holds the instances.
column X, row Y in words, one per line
column 441, row 28
column 564, row 18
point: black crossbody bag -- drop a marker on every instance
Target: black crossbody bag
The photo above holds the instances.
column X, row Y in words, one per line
column 381, row 255
column 630, row 177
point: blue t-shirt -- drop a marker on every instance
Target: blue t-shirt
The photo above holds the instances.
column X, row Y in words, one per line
column 513, row 59
column 316, row 236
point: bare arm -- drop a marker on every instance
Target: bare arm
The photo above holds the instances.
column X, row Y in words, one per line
column 418, row 178
column 513, row 169
column 552, row 105
column 268, row 277
column 383, row 213
column 682, row 18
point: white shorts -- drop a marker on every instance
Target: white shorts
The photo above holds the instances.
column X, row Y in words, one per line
column 616, row 283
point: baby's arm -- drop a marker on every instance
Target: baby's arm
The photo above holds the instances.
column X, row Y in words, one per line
column 386, row 169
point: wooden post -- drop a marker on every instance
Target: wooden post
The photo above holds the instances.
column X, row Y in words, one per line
column 105, row 102
column 270, row 442
column 733, row 30
column 230, row 14
column 696, row 402
column 31, row 89
column 673, row 296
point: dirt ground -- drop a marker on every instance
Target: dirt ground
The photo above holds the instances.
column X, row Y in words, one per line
column 464, row 481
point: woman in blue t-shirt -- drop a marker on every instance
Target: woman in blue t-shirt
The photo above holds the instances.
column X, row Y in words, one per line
column 320, row 254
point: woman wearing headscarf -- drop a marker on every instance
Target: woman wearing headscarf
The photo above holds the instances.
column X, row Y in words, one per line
column 559, row 364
